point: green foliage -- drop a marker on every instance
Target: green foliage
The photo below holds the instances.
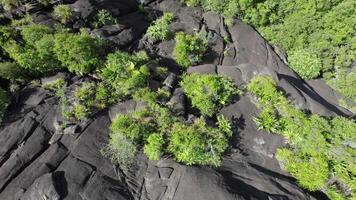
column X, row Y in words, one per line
column 4, row 102
column 80, row 111
column 224, row 125
column 197, row 143
column 120, row 150
column 26, row 20
column 311, row 174
column 81, row 54
column 306, row 64
column 324, row 27
column 345, row 82
column 268, row 120
column 85, row 94
column 102, row 18
column 159, row 30
column 35, row 53
column 55, row 85
column 63, row 13
column 154, row 147
column 34, row 32
column 80, row 103
column 125, row 73
column 12, row 71
column 8, row 4
column 319, row 148
column 132, row 128
column 189, row 49
column 153, row 127
column 208, row 92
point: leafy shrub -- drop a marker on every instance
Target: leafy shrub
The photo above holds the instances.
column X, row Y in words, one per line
column 197, row 143
column 189, row 49
column 154, row 147
column 12, row 71
column 104, row 95
column 159, row 30
column 316, row 150
column 35, row 53
column 208, row 92
column 307, row 65
column 125, row 73
column 132, row 128
column 224, row 125
column 81, row 53
column 311, row 174
column 268, row 120
column 63, row 13
column 345, row 83
column 102, row 18
column 24, row 21
column 120, row 150
column 8, row 4
column 55, row 85
column 85, row 94
column 4, row 102
column 80, row 111
column 264, row 87
column 34, row 32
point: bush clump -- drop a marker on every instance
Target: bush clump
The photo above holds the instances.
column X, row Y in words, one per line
column 63, row 13
column 8, row 4
column 12, row 71
column 307, row 65
column 81, row 54
column 154, row 147
column 189, row 49
column 35, row 53
column 197, row 143
column 126, row 73
column 316, row 151
column 208, row 92
column 102, row 18
column 159, row 30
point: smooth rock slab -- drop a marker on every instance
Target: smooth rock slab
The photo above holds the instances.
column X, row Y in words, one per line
column 42, row 189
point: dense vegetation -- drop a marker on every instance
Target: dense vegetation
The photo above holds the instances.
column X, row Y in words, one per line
column 323, row 28
column 156, row 129
column 320, row 151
